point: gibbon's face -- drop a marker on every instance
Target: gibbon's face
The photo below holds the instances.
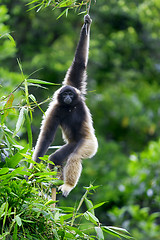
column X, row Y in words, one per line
column 68, row 95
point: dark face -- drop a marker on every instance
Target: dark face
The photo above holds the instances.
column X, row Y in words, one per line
column 68, row 96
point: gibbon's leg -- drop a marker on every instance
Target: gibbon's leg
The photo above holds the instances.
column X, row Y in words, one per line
column 76, row 74
column 72, row 169
column 62, row 154
column 71, row 174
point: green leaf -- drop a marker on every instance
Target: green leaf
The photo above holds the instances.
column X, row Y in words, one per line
column 93, row 218
column 49, row 202
column 119, row 229
column 20, row 121
column 99, row 233
column 55, row 234
column 14, row 160
column 65, row 3
column 15, row 232
column 97, row 206
column 76, row 230
column 28, row 221
column 45, row 173
column 18, row 171
column 29, row 131
column 66, row 216
column 91, row 187
column 119, row 232
column 32, row 97
column 26, row 156
column 37, row 81
column 4, row 171
column 86, row 216
column 90, row 217
column 2, row 208
column 67, row 209
column 62, row 13
column 18, row 220
column 11, row 39
column 89, row 205
column 5, row 214
column 106, row 229
column 7, row 105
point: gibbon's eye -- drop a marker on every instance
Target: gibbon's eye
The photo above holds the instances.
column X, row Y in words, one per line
column 71, row 94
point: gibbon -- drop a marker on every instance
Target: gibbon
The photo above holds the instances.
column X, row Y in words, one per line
column 69, row 111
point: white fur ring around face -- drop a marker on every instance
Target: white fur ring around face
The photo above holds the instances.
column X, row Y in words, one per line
column 65, row 188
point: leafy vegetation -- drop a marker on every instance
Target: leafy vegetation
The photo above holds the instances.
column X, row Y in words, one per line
column 36, row 48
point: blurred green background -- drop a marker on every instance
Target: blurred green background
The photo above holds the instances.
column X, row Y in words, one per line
column 123, row 96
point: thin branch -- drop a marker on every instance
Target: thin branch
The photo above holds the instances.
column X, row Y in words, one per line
column 89, row 5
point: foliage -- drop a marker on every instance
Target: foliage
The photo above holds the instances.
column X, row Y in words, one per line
column 141, row 189
column 64, row 4
column 26, row 210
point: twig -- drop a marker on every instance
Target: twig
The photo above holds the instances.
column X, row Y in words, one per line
column 89, row 5
column 54, row 196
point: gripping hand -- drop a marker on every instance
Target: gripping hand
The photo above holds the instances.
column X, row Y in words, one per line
column 87, row 19
column 87, row 23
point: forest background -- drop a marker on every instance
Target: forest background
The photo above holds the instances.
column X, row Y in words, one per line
column 123, row 96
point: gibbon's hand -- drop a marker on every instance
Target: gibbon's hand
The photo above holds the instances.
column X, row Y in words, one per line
column 87, row 23
column 87, row 19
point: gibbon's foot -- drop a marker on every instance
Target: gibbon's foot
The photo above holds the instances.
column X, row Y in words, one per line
column 87, row 19
column 65, row 188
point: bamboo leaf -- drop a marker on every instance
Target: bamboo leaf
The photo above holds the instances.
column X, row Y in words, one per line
column 62, row 13
column 45, row 174
column 37, row 81
column 119, row 229
column 11, row 39
column 93, row 218
column 89, row 205
column 75, row 230
column 2, row 208
column 99, row 233
column 7, row 105
column 14, row 160
column 65, row 3
column 97, row 206
column 91, row 187
column 49, row 202
column 17, row 219
column 29, row 131
column 32, row 97
column 4, row 171
column 119, row 232
column 20, row 121
column 86, row 216
column 106, row 229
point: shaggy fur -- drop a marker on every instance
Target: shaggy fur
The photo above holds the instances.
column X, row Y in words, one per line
column 74, row 119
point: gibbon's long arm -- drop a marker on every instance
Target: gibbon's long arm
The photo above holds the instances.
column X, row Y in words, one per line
column 76, row 75
column 47, row 134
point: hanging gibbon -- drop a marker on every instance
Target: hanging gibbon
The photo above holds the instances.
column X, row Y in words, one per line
column 69, row 111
